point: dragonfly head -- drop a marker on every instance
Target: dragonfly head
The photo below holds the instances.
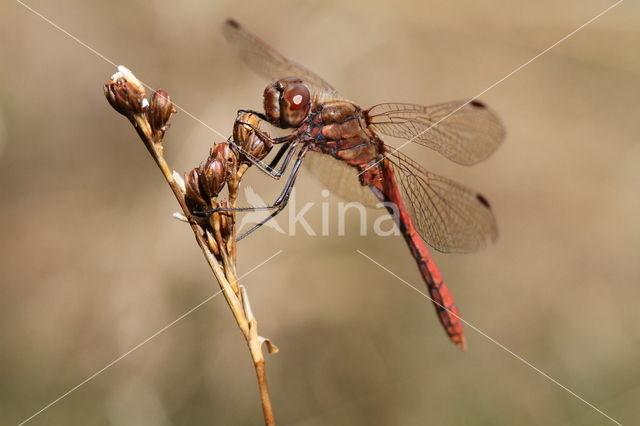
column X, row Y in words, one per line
column 287, row 102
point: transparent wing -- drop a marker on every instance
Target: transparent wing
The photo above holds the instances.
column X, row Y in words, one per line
column 447, row 215
column 340, row 178
column 271, row 64
column 468, row 133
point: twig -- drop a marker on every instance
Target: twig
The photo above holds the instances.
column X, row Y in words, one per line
column 215, row 233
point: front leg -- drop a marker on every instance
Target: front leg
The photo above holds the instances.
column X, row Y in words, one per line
column 289, row 143
column 277, row 206
column 243, row 131
column 283, row 199
column 260, row 115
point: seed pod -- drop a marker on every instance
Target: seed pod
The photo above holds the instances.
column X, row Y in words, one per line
column 247, row 140
column 213, row 175
column 160, row 110
column 193, row 196
column 242, row 131
column 223, row 153
column 256, row 147
column 125, row 92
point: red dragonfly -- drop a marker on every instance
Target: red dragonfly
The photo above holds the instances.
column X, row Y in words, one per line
column 425, row 206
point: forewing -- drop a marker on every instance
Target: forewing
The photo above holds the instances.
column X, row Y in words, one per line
column 271, row 64
column 464, row 132
column 447, row 215
column 340, row 179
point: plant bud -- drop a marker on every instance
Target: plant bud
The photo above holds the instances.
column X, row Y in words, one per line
column 223, row 153
column 256, row 147
column 193, row 197
column 160, row 110
column 247, row 139
column 240, row 130
column 125, row 92
column 213, row 176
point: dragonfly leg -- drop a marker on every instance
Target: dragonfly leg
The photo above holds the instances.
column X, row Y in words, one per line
column 288, row 148
column 283, row 149
column 288, row 142
column 256, row 113
column 283, row 199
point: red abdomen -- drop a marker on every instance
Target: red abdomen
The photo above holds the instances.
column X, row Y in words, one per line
column 448, row 314
column 339, row 129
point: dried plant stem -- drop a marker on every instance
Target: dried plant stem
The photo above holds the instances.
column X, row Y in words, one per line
column 217, row 239
column 226, row 277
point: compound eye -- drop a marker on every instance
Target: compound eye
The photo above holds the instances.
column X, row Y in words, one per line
column 297, row 96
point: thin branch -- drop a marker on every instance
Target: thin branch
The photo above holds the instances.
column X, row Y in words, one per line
column 215, row 234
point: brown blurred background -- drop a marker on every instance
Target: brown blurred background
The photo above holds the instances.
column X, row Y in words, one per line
column 92, row 263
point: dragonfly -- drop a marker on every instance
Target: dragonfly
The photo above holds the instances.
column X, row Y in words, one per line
column 342, row 143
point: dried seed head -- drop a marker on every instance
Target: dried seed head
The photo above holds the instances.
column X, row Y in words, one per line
column 256, row 147
column 160, row 110
column 213, row 176
column 193, row 197
column 125, row 92
column 131, row 78
column 242, row 131
column 246, row 138
column 223, row 153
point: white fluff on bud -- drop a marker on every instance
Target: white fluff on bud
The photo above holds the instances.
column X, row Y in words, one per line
column 126, row 74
